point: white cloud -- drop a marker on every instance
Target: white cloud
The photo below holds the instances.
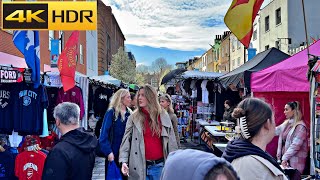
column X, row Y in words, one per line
column 174, row 24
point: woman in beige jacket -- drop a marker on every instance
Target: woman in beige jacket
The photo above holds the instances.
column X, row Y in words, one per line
column 166, row 103
column 248, row 154
column 148, row 138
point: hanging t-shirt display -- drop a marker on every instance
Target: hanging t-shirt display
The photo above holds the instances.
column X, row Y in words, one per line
column 29, row 103
column 29, row 165
column 73, row 95
column 101, row 101
column 52, row 97
column 6, row 108
column 7, row 165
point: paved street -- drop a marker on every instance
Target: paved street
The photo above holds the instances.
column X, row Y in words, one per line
column 98, row 171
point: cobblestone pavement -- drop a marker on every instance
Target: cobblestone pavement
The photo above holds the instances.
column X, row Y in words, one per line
column 98, row 171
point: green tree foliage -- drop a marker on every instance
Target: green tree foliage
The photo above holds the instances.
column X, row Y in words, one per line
column 122, row 68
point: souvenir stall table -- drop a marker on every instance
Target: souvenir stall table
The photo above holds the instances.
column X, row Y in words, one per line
column 216, row 138
column 200, row 88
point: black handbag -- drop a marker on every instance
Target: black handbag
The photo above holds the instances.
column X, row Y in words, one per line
column 292, row 174
column 99, row 152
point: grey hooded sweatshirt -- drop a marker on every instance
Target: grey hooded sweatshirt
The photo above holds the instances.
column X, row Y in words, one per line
column 190, row 164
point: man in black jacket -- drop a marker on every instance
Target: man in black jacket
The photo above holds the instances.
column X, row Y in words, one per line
column 74, row 156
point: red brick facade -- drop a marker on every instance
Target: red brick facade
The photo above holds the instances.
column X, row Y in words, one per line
column 110, row 37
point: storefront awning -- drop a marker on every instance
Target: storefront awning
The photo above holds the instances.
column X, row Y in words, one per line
column 12, row 60
column 106, row 79
column 200, row 75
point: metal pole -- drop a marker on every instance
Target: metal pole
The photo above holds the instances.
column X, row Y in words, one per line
column 305, row 27
column 244, row 52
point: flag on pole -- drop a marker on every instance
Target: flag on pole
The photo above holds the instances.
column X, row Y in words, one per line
column 240, row 17
column 27, row 42
column 67, row 61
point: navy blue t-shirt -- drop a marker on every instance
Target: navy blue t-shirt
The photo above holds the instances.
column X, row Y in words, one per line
column 29, row 103
column 7, row 165
column 6, row 110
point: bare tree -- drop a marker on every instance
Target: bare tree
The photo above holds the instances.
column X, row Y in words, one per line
column 158, row 67
column 143, row 69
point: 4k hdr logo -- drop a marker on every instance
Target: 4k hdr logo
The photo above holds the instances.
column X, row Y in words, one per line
column 58, row 15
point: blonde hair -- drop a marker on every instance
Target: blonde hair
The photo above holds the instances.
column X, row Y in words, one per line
column 295, row 106
column 116, row 101
column 167, row 98
column 153, row 107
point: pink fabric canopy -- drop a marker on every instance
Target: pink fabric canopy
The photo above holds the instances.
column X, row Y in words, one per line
column 289, row 75
column 15, row 61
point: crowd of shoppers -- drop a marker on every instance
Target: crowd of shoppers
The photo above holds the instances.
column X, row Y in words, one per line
column 139, row 133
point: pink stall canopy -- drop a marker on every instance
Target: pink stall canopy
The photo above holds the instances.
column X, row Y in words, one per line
column 288, row 75
column 15, row 61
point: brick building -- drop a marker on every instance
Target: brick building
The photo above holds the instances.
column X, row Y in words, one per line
column 110, row 37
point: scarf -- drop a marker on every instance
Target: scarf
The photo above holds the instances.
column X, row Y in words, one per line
column 239, row 148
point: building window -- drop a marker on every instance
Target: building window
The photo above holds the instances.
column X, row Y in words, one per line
column 108, row 42
column 218, row 54
column 266, row 23
column 238, row 61
column 238, row 44
column 222, row 52
column 115, row 33
column 254, row 34
column 278, row 16
column 51, row 36
column 81, row 54
column 277, row 44
column 233, row 44
column 266, row 47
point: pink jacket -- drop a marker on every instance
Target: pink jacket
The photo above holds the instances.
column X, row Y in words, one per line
column 295, row 149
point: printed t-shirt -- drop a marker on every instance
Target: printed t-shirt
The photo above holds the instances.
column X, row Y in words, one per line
column 6, row 108
column 29, row 165
column 29, row 103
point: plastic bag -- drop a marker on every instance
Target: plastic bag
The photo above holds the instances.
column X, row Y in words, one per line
column 113, row 172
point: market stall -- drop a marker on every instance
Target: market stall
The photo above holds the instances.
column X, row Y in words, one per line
column 240, row 77
column 284, row 82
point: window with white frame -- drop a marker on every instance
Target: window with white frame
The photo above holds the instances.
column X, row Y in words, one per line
column 266, row 23
column 278, row 16
column 266, row 47
column 81, row 54
column 238, row 44
column 255, row 34
column 277, row 44
column 238, row 61
column 218, row 53
column 222, row 51
column 51, row 36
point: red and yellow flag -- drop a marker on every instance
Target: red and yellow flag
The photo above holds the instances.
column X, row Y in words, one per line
column 240, row 17
column 67, row 61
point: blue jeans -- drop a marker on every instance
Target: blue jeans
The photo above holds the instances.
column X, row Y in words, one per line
column 154, row 171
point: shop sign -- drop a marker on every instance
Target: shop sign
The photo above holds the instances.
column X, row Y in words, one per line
column 10, row 75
